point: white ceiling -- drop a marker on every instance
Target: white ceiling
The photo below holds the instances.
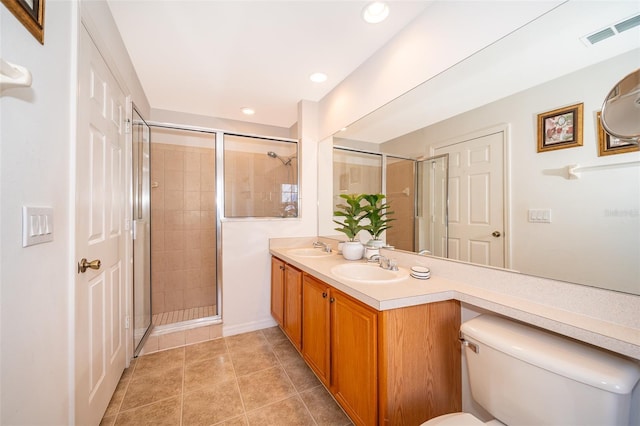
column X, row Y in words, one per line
column 214, row 57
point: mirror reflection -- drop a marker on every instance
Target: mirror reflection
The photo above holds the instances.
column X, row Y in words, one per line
column 621, row 109
column 570, row 214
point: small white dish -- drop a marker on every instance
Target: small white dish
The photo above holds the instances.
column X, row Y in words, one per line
column 420, row 270
column 421, row 277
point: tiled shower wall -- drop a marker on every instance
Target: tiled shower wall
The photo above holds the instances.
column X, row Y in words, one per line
column 183, row 227
column 259, row 186
column 401, row 196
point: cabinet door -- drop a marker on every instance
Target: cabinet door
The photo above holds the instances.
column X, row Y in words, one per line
column 277, row 290
column 315, row 326
column 293, row 304
column 354, row 352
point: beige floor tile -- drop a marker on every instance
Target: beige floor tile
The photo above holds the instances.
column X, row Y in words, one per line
column 300, row 374
column 291, row 411
column 236, row 421
column 159, row 361
column 324, row 408
column 108, row 421
column 246, row 342
column 212, row 405
column 116, row 398
column 153, row 387
column 253, row 378
column 264, row 387
column 205, row 350
column 274, row 335
column 248, row 362
column 208, row 372
column 286, row 353
column 128, row 372
column 159, row 414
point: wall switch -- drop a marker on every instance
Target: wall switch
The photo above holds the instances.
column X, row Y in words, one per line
column 539, row 215
column 37, row 225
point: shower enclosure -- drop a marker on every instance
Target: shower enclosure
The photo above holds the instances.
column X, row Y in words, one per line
column 198, row 177
column 141, row 225
column 184, row 234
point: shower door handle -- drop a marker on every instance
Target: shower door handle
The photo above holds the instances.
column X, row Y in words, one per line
column 84, row 264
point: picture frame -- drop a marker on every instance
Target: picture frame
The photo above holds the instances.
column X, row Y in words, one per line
column 560, row 128
column 30, row 13
column 610, row 145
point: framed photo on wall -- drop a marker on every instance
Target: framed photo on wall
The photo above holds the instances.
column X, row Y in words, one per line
column 560, row 128
column 30, row 13
column 609, row 145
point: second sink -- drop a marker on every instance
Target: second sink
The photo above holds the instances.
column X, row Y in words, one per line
column 368, row 273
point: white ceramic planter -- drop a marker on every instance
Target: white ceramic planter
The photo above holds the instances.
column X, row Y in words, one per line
column 352, row 250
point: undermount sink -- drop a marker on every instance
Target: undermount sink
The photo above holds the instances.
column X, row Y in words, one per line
column 368, row 273
column 308, row 252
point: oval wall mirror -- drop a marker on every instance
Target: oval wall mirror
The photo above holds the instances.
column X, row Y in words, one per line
column 621, row 109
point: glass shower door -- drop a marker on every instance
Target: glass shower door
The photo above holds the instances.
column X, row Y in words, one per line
column 141, row 223
column 432, row 204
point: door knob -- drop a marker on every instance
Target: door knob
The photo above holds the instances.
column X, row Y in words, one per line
column 496, row 234
column 84, row 264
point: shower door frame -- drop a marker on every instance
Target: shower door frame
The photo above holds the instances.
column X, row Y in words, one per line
column 136, row 213
column 219, row 172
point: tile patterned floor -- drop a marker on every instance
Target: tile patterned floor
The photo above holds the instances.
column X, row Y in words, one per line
column 256, row 378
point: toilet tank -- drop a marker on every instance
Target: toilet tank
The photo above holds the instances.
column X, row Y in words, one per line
column 526, row 376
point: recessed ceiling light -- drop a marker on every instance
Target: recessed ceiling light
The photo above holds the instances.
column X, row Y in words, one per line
column 375, row 12
column 318, row 77
column 247, row 111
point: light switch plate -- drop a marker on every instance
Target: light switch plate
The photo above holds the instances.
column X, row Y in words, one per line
column 540, row 215
column 37, row 225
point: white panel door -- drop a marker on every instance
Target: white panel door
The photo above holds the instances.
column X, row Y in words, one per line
column 476, row 199
column 99, row 340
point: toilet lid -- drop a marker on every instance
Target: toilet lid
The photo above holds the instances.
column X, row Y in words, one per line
column 454, row 419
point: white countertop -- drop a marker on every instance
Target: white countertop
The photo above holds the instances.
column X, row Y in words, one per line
column 599, row 317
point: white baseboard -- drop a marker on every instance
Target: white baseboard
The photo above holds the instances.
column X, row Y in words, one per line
column 231, row 330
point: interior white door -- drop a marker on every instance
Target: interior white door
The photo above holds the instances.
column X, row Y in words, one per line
column 476, row 199
column 99, row 306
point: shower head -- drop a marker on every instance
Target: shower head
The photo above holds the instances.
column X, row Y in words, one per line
column 274, row 155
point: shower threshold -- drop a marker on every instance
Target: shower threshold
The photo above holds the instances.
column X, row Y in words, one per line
column 182, row 315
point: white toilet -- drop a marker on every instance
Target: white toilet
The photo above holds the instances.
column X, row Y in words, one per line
column 525, row 376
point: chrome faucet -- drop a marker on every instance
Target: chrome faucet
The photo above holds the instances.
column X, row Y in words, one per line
column 325, row 247
column 384, row 262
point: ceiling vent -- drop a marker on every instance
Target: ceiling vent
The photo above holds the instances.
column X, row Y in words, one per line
column 611, row 30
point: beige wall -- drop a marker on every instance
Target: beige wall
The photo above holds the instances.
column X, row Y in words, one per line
column 183, row 227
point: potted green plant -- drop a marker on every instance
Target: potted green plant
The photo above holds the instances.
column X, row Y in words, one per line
column 352, row 213
column 377, row 211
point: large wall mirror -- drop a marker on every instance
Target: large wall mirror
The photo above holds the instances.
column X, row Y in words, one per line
column 570, row 213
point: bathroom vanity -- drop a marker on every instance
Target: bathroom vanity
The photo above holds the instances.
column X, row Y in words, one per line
column 391, row 366
column 389, row 352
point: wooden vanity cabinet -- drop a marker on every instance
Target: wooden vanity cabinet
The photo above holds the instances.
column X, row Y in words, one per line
column 392, row 367
column 340, row 345
column 286, row 299
column 277, row 290
column 316, row 327
column 292, row 325
column 354, row 357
